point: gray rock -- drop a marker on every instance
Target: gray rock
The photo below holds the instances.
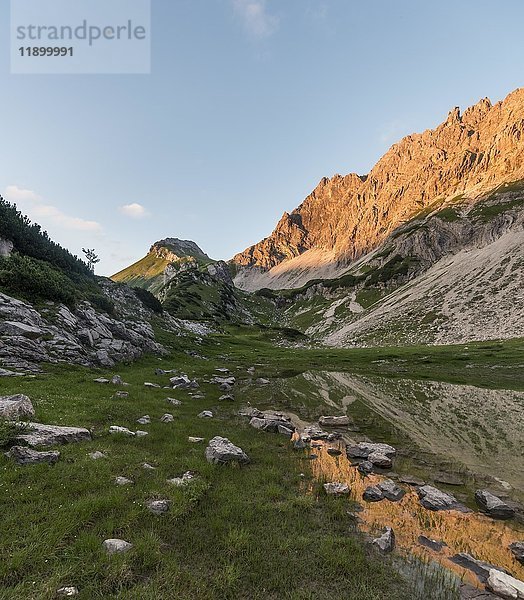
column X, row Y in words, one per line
column 334, row 421
column 220, row 451
column 273, row 423
column 16, row 407
column 195, row 440
column 434, row 545
column 148, row 384
column 97, row 455
column 145, row 420
column 123, row 481
column 391, row 491
column 205, row 414
column 122, row 430
column 493, row 506
column 15, row 328
column 414, row 481
column 67, row 591
column 116, row 546
column 372, row 494
column 505, row 586
column 227, row 398
column 299, row 444
column 117, row 380
column 26, row 456
column 479, row 567
column 36, row 434
column 365, row 467
column 517, row 549
column 101, row 380
column 434, row 499
column 262, row 381
column 140, row 433
column 148, row 467
column 386, row 542
column 315, row 433
column 186, row 478
column 364, row 449
column 222, row 370
column 334, row 452
column 121, row 394
column 167, row 418
column 448, row 479
column 158, row 507
column 336, row 489
column 174, row 402
column 378, row 459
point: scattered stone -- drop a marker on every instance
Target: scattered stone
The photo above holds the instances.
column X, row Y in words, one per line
column 36, row 434
column 479, row 567
column 26, row 456
column 101, row 380
column 7, row 373
column 469, row 592
column 364, row 449
column 315, row 433
column 222, row 370
column 336, row 489
column 141, row 433
column 197, row 397
column 16, row 407
column 380, row 460
column 148, row 467
column 116, row 546
column 183, row 480
column 365, row 467
column 158, row 507
column 334, row 421
column 195, row 440
column 121, row 394
column 414, row 481
column 145, row 420
column 273, row 423
column 117, row 380
column 205, row 414
column 220, row 451
column 250, row 412
column 97, row 455
column 372, row 494
column 448, row 479
column 517, row 549
column 313, row 456
column 505, row 586
column 251, row 370
column 167, row 418
column 67, row 591
column 386, row 542
column 434, row 499
column 262, row 381
column 391, row 491
column 123, row 481
column 493, row 506
column 334, row 452
column 123, row 430
column 434, row 545
column 174, row 401
column 299, row 444
column 227, row 398
column 148, row 384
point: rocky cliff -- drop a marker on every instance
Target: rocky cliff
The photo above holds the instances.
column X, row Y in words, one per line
column 346, row 217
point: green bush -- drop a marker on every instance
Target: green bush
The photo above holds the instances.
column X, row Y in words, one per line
column 34, row 279
column 148, row 300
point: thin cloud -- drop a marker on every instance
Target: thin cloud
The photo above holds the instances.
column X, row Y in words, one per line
column 37, row 209
column 257, row 20
column 134, row 211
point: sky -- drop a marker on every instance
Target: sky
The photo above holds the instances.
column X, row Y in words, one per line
column 248, row 105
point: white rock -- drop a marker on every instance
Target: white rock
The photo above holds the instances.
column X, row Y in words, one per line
column 116, row 546
column 336, row 489
column 220, row 451
column 195, row 440
column 167, row 418
column 97, row 455
column 205, row 414
column 123, row 481
column 505, row 586
column 67, row 591
column 16, row 407
column 123, row 430
column 181, row 481
column 141, row 433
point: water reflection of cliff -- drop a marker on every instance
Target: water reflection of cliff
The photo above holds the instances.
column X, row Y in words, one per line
column 472, row 533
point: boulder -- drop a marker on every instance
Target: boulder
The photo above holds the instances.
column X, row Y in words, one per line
column 67, row 591
column 16, row 407
column 36, row 434
column 434, row 499
column 386, row 542
column 97, row 455
column 273, row 423
column 434, row 545
column 116, row 546
column 205, row 414
column 493, row 506
column 27, row 456
column 173, row 401
column 505, row 586
column 364, row 449
column 517, row 549
column 365, row 467
column 221, row 451
column 336, row 489
column 372, row 494
column 145, row 420
column 378, row 459
column 315, row 433
column 391, row 491
column 334, row 421
column 167, row 418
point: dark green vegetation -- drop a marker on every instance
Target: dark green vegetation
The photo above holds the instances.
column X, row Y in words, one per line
column 40, row 269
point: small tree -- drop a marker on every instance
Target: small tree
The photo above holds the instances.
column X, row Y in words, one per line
column 91, row 257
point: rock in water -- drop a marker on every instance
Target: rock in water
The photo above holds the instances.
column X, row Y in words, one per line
column 27, row 456
column 505, row 586
column 434, row 499
column 37, row 434
column 386, row 542
column 517, row 549
column 221, row 451
column 493, row 506
column 16, row 407
column 116, row 546
column 336, row 489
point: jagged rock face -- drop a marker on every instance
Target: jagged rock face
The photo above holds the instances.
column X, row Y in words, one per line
column 173, row 249
column 351, row 215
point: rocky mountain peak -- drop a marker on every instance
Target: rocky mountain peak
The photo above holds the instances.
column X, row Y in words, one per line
column 174, row 249
column 350, row 215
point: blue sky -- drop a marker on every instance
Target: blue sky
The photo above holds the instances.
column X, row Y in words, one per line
column 249, row 104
